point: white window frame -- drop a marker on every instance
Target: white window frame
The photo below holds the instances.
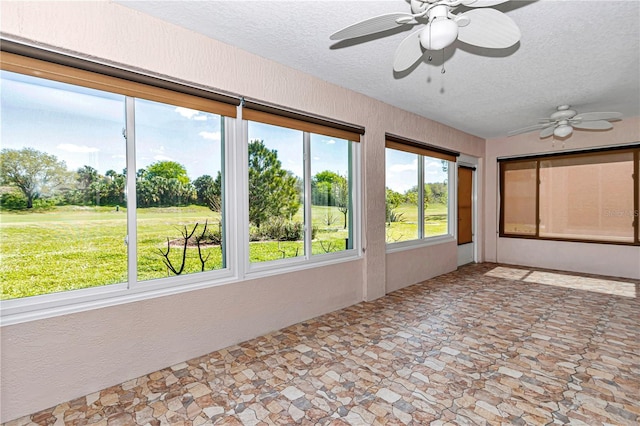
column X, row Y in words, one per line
column 47, row 305
column 451, row 235
column 235, row 219
column 268, row 268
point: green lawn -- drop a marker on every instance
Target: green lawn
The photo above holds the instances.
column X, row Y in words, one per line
column 74, row 247
column 435, row 223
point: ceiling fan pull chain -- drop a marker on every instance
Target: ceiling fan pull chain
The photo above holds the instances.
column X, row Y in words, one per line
column 443, row 70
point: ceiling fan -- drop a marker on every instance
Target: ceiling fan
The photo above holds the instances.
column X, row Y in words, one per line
column 483, row 27
column 562, row 122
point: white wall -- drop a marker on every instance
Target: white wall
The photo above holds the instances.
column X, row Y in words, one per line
column 53, row 360
column 605, row 259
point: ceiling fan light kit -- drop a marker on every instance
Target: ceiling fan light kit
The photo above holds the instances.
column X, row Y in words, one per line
column 481, row 26
column 438, row 34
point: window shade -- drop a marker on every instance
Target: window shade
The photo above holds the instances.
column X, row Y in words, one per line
column 278, row 116
column 587, row 196
column 518, row 199
column 415, row 147
column 36, row 62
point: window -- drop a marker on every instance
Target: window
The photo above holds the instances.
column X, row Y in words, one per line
column 519, row 192
column 417, row 190
column 584, row 196
column 301, row 188
column 179, row 190
column 118, row 186
column 74, row 215
column 63, row 213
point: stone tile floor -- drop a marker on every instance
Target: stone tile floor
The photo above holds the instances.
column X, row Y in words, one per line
column 487, row 344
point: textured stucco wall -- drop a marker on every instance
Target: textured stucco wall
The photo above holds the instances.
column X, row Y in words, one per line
column 49, row 361
column 605, row 259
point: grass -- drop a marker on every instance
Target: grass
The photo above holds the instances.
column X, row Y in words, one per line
column 73, row 247
column 435, row 223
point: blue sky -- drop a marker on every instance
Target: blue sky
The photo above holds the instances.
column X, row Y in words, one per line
column 84, row 127
column 402, row 170
column 327, row 153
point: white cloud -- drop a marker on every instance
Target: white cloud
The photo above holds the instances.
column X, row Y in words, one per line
column 191, row 114
column 70, row 147
column 399, row 168
column 187, row 112
column 214, row 136
column 331, row 142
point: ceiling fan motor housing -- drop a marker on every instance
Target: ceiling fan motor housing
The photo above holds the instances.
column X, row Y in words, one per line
column 419, row 6
column 564, row 114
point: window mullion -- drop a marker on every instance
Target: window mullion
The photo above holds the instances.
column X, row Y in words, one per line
column 241, row 193
column 308, row 225
column 421, row 215
column 351, row 188
column 132, row 233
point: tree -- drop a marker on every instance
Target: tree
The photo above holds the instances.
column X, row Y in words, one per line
column 87, row 177
column 272, row 190
column 164, row 183
column 322, row 188
column 341, row 196
column 35, row 173
column 168, row 170
column 393, row 201
column 209, row 191
column 411, row 195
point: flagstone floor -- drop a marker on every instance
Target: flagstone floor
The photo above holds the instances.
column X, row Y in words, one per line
column 487, row 344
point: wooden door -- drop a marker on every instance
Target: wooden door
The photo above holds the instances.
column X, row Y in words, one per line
column 465, row 205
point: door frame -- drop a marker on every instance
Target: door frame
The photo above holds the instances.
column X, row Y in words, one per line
column 474, row 163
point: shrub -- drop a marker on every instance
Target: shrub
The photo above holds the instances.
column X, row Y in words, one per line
column 279, row 230
column 210, row 237
column 13, row 201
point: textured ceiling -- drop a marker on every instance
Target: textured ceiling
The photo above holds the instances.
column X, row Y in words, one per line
column 583, row 53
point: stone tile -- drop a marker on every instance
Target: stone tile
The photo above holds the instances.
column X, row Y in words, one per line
column 487, row 344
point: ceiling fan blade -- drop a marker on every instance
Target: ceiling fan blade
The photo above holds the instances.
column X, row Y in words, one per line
column 372, row 25
column 482, row 3
column 589, row 116
column 593, row 125
column 489, row 28
column 528, row 129
column 545, row 133
column 408, row 52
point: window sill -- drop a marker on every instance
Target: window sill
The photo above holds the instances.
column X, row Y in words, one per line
column 16, row 311
column 415, row 244
column 276, row 267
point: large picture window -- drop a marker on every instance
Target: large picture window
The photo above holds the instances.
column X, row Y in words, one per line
column 417, row 190
column 116, row 185
column 105, row 187
column 584, row 196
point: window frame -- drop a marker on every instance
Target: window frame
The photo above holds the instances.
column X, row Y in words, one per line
column 631, row 148
column 258, row 269
column 234, row 167
column 56, row 303
column 423, row 150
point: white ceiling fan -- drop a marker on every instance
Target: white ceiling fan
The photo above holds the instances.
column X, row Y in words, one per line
column 483, row 27
column 562, row 122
